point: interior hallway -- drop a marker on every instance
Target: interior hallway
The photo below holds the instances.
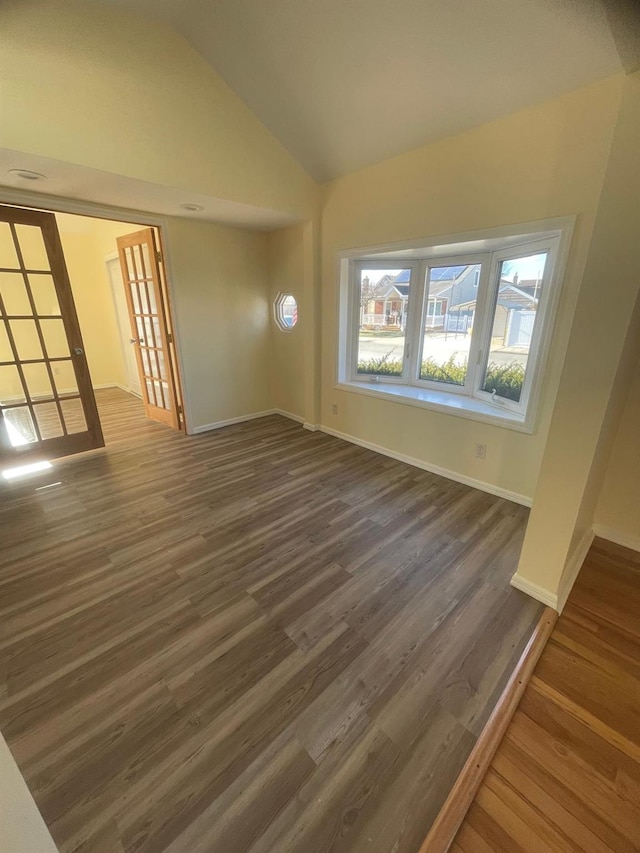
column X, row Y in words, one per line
column 255, row 639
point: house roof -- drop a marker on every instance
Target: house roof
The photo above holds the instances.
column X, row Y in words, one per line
column 509, row 296
column 387, row 289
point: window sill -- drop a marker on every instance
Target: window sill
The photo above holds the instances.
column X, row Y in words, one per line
column 440, row 401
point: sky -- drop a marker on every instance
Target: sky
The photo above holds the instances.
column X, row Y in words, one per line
column 530, row 267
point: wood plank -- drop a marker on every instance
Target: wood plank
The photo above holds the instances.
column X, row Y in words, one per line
column 258, row 638
column 567, row 773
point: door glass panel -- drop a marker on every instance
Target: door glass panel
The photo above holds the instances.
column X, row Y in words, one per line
column 163, row 370
column 515, row 307
column 137, row 262
column 129, row 263
column 20, row 426
column 167, row 398
column 156, row 331
column 146, row 260
column 8, row 255
column 150, row 395
column 48, row 420
column 6, row 353
column 135, row 298
column 382, row 320
column 55, row 338
column 153, row 305
column 73, row 415
column 14, row 294
column 146, row 368
column 148, row 332
column 144, row 302
column 154, row 365
column 140, row 328
column 11, row 390
column 158, row 388
column 450, row 306
column 38, row 382
column 65, row 377
column 25, row 334
column 32, row 247
column 44, row 295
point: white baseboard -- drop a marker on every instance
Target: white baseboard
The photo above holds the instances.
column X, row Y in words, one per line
column 114, row 385
column 574, row 564
column 311, row 427
column 230, row 421
column 572, row 568
column 536, row 591
column 627, row 540
column 242, row 418
column 426, row 466
column 298, row 418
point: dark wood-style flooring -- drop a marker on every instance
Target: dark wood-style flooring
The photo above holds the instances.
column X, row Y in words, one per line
column 257, row 639
column 566, row 777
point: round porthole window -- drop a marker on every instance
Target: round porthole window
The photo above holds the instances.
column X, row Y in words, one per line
column 286, row 311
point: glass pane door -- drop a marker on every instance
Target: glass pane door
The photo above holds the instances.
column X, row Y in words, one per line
column 47, row 405
column 138, row 259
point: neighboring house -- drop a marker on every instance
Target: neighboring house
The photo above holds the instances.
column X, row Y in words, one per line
column 452, row 304
column 448, row 287
column 387, row 304
column 515, row 313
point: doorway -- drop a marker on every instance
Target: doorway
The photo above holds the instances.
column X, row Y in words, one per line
column 74, row 322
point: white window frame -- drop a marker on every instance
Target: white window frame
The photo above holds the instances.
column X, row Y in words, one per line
column 470, row 400
column 278, row 311
column 357, row 267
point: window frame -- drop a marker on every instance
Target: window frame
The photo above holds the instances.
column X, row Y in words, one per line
column 278, row 314
column 550, row 247
column 354, row 314
column 435, row 263
column 493, row 245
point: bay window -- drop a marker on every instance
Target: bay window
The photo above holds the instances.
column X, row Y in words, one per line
column 465, row 331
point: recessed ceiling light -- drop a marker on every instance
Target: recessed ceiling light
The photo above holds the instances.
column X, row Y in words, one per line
column 27, row 174
column 192, row 207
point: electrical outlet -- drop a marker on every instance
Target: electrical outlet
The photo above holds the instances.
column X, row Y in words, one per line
column 481, row 451
column 334, row 408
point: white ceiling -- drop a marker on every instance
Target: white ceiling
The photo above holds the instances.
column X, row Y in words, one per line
column 346, row 83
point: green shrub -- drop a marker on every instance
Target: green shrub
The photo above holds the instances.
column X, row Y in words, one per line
column 382, row 366
column 505, row 379
column 450, row 372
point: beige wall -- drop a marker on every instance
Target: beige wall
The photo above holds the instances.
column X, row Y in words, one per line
column 543, row 162
column 220, row 289
column 95, row 85
column 618, row 510
column 287, row 359
column 85, row 242
column 567, row 493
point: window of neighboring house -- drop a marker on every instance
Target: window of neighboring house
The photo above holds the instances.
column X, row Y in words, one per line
column 285, row 309
column 466, row 331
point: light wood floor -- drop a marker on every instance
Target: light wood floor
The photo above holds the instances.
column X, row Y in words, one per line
column 567, row 774
column 257, row 639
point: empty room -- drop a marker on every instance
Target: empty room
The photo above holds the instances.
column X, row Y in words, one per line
column 319, row 418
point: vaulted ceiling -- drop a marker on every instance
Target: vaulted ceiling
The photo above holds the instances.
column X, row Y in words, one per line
column 346, row 83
